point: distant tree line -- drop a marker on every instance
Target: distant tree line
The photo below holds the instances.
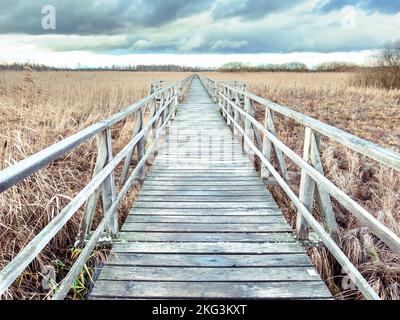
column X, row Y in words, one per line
column 290, row 67
column 129, row 68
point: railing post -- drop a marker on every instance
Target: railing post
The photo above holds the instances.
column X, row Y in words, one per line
column 247, row 125
column 308, row 188
column 266, row 146
column 109, row 193
column 175, row 103
column 128, row 159
column 162, row 100
column 91, row 203
column 180, row 91
column 278, row 153
column 236, row 117
column 215, row 92
column 154, row 126
column 228, row 107
column 224, row 103
column 104, row 156
column 323, row 197
column 141, row 148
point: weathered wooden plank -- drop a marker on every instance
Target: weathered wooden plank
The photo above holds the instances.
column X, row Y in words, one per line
column 204, row 260
column 190, row 171
column 211, row 218
column 210, row 290
column 201, row 211
column 205, row 237
column 206, row 205
column 215, row 193
column 209, row 183
column 221, row 274
column 224, row 179
column 209, row 199
column 205, row 227
column 227, row 166
column 209, row 247
column 203, row 174
column 205, row 187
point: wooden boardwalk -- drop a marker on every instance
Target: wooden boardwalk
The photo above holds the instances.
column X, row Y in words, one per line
column 204, row 225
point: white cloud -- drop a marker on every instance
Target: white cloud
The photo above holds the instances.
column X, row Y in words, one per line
column 22, row 48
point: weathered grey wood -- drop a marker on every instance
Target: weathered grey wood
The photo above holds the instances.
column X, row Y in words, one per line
column 376, row 227
column 206, row 237
column 105, row 176
column 278, row 153
column 129, row 273
column 206, row 205
column 210, row 290
column 246, row 189
column 195, row 206
column 202, row 172
column 140, row 148
column 307, row 189
column 128, row 159
column 109, row 193
column 324, row 200
column 65, row 285
column 211, row 218
column 205, row 212
column 205, row 227
column 374, row 151
column 266, row 146
column 204, row 260
column 247, row 124
column 220, row 178
column 187, row 192
column 208, row 247
column 91, row 203
column 24, row 168
column 63, row 288
column 350, row 269
column 207, row 198
column 212, row 183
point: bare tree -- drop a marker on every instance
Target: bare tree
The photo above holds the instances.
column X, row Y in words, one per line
column 385, row 69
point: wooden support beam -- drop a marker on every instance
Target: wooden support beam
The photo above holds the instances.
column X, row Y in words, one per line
column 278, row 153
column 91, row 203
column 109, row 193
column 307, row 189
column 323, row 197
column 266, row 148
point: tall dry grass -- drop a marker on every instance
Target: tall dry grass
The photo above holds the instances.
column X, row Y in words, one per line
column 370, row 113
column 38, row 109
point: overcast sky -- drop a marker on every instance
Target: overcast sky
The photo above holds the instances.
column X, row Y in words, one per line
column 206, row 32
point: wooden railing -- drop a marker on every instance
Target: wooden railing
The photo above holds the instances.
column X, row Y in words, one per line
column 162, row 104
column 237, row 108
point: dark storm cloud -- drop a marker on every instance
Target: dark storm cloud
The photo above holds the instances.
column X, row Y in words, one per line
column 93, row 16
column 383, row 6
column 251, row 9
column 141, row 26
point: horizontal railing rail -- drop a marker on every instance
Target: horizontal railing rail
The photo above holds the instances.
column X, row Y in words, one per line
column 162, row 104
column 237, row 108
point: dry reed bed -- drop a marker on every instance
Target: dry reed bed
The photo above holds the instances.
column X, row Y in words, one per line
column 369, row 113
column 37, row 110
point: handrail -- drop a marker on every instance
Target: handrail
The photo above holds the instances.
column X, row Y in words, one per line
column 236, row 106
column 17, row 172
column 103, row 176
column 367, row 148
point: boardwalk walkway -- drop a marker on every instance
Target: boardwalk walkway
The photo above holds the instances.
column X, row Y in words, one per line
column 204, row 225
